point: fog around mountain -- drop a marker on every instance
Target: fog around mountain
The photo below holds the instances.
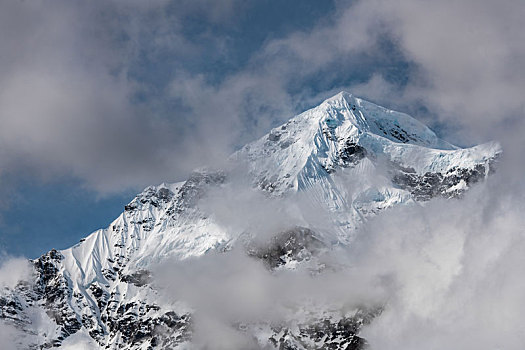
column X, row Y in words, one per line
column 119, row 96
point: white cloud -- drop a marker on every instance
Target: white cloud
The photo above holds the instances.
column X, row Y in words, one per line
column 69, row 91
column 9, row 336
column 79, row 341
column 13, row 270
column 456, row 267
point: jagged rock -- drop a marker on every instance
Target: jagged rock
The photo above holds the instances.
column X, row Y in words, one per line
column 453, row 183
column 194, row 189
column 338, row 333
column 138, row 278
column 298, row 244
column 350, row 153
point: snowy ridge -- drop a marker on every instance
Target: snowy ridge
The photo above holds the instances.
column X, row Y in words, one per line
column 386, row 156
column 348, row 156
column 310, row 144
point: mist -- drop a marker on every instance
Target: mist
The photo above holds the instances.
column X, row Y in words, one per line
column 445, row 273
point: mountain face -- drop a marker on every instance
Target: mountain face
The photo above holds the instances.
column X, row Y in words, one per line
column 347, row 158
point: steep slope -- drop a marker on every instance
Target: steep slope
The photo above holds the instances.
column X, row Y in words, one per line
column 356, row 158
column 347, row 157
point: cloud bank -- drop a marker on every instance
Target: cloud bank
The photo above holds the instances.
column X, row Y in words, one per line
column 120, row 94
column 446, row 272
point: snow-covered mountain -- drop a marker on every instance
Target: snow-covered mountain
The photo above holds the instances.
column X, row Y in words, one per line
column 347, row 158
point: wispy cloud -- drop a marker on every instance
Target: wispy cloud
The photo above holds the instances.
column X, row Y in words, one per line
column 70, row 94
column 113, row 92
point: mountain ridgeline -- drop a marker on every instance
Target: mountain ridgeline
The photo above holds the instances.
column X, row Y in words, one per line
column 350, row 158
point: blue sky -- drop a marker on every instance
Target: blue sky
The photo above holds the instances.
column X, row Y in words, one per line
column 100, row 99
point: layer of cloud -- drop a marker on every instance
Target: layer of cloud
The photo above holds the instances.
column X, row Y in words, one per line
column 63, row 113
column 9, row 335
column 455, row 267
column 447, row 272
column 120, row 94
column 225, row 289
column 79, row 341
column 13, row 270
column 71, row 90
column 75, row 101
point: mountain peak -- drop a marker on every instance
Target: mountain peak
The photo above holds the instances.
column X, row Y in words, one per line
column 346, row 159
column 372, row 118
column 343, row 131
column 341, row 96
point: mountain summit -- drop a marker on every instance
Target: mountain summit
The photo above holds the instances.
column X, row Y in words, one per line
column 347, row 158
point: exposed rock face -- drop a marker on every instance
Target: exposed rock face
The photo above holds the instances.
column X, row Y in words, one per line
column 139, row 278
column 324, row 334
column 52, row 289
column 150, row 196
column 350, row 153
column 103, row 315
column 195, row 188
column 295, row 245
column 453, row 183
